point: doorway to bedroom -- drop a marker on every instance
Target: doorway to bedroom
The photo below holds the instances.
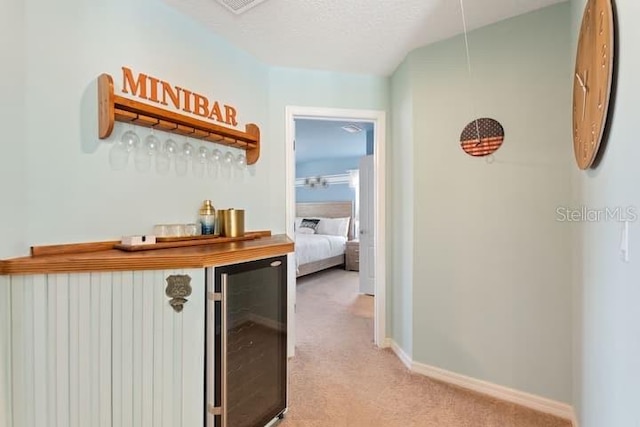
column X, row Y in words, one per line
column 335, row 212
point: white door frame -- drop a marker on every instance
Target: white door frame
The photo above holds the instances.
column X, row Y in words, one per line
column 378, row 118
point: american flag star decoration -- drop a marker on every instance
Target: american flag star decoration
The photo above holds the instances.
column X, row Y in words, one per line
column 482, row 137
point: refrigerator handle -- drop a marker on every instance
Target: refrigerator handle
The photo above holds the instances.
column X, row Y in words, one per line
column 214, row 302
column 223, row 332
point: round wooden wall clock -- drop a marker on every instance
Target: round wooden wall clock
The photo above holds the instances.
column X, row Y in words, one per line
column 482, row 137
column 593, row 78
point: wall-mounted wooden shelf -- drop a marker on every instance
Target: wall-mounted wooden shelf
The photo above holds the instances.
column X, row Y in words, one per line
column 112, row 108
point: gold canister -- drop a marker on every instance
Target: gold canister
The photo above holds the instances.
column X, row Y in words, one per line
column 233, row 222
column 220, row 222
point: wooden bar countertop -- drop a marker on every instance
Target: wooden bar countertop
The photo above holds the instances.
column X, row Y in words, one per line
column 159, row 259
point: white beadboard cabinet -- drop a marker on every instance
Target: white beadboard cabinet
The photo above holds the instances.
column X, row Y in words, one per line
column 101, row 350
column 5, row 353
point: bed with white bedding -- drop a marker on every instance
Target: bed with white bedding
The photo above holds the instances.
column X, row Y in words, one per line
column 315, row 247
column 322, row 230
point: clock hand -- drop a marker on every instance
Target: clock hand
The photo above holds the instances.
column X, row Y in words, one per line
column 585, row 78
column 584, row 92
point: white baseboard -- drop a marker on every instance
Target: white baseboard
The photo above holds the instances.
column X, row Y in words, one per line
column 404, row 357
column 537, row 403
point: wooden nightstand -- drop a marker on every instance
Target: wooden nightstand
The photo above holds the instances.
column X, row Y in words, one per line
column 352, row 261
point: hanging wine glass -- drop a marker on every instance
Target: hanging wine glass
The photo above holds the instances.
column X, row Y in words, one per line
column 171, row 147
column 119, row 153
column 241, row 165
column 187, row 149
column 227, row 163
column 164, row 156
column 182, row 159
column 200, row 162
column 214, row 162
column 145, row 152
column 241, row 162
column 152, row 143
column 131, row 140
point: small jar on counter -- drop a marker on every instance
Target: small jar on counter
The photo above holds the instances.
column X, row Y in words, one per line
column 207, row 218
column 233, row 223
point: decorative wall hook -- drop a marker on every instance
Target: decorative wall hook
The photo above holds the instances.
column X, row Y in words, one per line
column 178, row 289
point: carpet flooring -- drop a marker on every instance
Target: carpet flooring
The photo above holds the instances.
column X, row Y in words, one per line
column 339, row 378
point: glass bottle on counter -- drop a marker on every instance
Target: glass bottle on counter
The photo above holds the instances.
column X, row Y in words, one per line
column 207, row 218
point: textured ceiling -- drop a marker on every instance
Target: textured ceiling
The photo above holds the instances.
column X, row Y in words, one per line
column 357, row 36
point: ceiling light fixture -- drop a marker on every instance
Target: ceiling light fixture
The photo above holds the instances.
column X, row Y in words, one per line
column 315, row 183
column 352, row 128
column 239, row 6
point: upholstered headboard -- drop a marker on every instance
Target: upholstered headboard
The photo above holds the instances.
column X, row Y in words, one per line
column 327, row 210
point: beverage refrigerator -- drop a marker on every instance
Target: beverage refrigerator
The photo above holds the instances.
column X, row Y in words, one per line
column 246, row 344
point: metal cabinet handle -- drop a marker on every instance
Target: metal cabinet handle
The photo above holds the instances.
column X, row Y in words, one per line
column 178, row 289
column 223, row 331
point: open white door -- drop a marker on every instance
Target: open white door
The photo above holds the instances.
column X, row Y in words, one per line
column 291, row 258
column 367, row 227
column 377, row 264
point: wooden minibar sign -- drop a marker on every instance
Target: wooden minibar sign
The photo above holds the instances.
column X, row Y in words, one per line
column 112, row 108
column 162, row 92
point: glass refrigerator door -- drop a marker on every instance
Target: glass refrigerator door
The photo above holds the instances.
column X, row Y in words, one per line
column 251, row 343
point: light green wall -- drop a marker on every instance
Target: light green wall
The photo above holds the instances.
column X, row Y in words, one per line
column 72, row 193
column 309, row 88
column 400, row 200
column 323, row 89
column 607, row 378
column 12, row 176
column 62, row 186
column 491, row 268
column 476, row 255
column 12, row 160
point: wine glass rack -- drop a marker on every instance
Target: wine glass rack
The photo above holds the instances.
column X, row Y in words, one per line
column 112, row 108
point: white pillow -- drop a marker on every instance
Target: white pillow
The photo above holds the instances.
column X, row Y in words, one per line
column 334, row 226
column 297, row 222
column 306, row 230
